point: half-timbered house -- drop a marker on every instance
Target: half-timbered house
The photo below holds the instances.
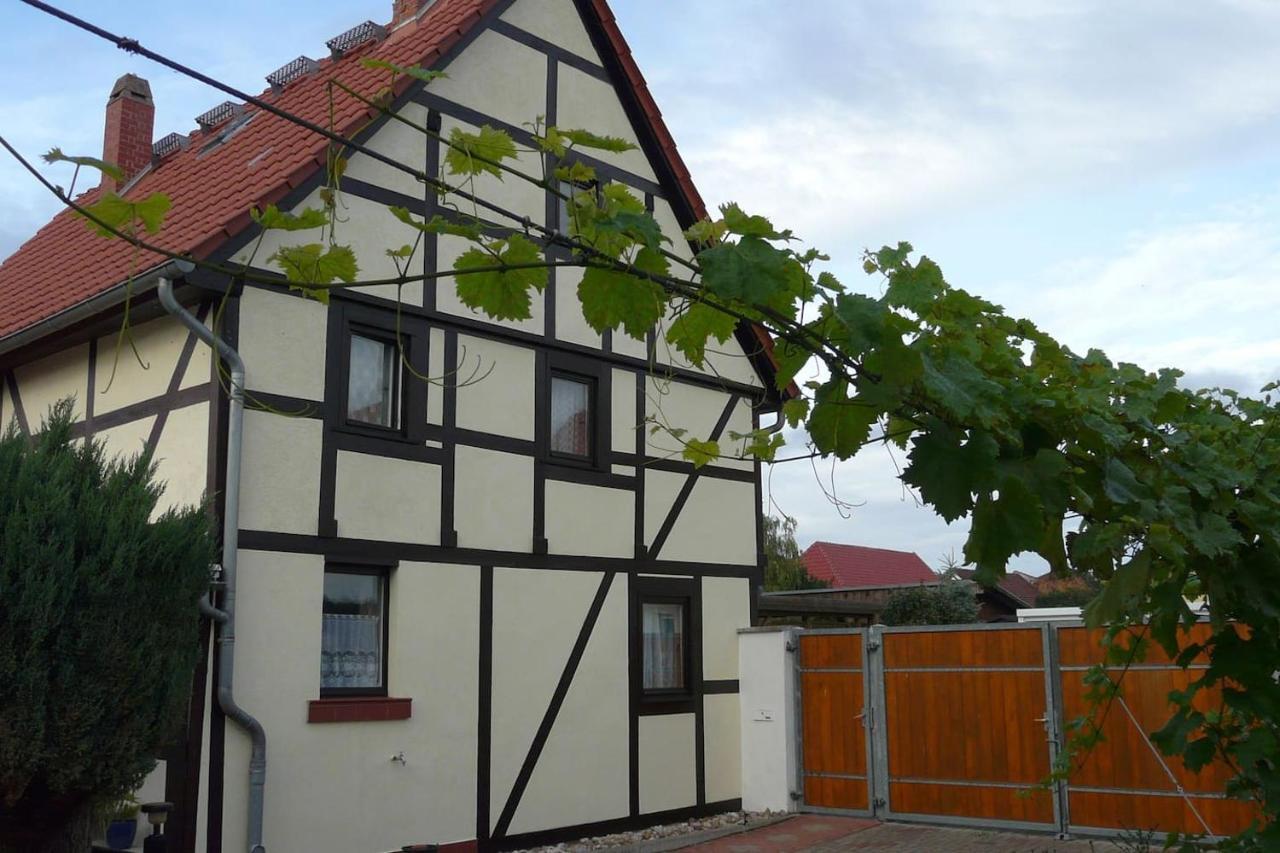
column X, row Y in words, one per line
column 488, row 609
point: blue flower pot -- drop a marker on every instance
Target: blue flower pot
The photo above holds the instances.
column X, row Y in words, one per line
column 120, row 833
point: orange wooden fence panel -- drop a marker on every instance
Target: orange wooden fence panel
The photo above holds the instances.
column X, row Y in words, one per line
column 1124, row 782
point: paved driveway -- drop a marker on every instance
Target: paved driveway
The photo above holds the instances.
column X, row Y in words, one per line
column 823, row 834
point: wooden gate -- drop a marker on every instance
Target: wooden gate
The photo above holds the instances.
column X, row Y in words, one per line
column 961, row 724
column 833, row 701
column 967, row 726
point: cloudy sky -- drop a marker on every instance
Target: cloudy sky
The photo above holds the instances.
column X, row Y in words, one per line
column 1110, row 170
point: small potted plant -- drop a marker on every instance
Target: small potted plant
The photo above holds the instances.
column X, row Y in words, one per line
column 121, row 818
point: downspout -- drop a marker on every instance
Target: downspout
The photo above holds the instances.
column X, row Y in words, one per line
column 225, row 617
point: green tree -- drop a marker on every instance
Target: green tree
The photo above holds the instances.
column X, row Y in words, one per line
column 1170, row 493
column 98, row 629
column 952, row 602
column 784, row 568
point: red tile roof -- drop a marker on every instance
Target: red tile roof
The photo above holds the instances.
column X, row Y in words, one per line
column 859, row 566
column 211, row 192
column 1018, row 585
column 65, row 264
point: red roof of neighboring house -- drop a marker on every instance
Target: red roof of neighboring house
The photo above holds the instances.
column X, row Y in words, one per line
column 858, row 565
column 65, row 263
column 1019, row 585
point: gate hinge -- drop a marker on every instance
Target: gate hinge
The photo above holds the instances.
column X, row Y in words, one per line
column 879, row 802
column 873, row 646
column 795, row 795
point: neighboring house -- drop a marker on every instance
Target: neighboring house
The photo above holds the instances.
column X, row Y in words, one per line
column 490, row 613
column 1001, row 603
column 862, row 579
column 857, row 566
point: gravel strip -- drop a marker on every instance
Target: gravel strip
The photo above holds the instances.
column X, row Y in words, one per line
column 668, row 836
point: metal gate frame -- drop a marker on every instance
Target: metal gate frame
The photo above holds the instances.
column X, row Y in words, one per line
column 867, row 720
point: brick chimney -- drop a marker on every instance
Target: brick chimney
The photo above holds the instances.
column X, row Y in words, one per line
column 130, row 118
column 405, row 10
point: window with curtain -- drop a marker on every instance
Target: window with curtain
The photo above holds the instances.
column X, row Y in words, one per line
column 662, row 631
column 353, row 632
column 571, row 416
column 372, row 380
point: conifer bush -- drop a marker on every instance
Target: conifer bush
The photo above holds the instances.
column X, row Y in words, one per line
column 98, row 628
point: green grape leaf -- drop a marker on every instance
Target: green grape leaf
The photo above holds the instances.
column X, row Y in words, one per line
column 705, row 232
column 958, row 385
column 899, row 430
column 475, row 153
column 426, row 75
column 1120, row 592
column 915, row 288
column 151, row 211
column 273, row 219
column 698, row 323
column 501, row 294
column 587, row 139
column 552, row 142
column 405, row 251
column 700, row 452
column 1003, row 526
column 311, row 264
column 636, row 226
column 122, row 214
column 795, row 410
column 864, row 320
column 576, row 173
column 55, row 155
column 439, row 225
column 749, row 270
column 948, row 471
column 837, row 424
column 1122, row 485
column 790, row 358
column 1213, row 535
column 736, row 221
column 611, row 298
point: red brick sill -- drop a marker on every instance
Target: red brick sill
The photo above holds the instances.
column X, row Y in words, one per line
column 355, row 709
